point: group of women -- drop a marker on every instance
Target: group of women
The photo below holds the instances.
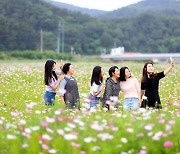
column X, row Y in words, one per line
column 118, row 80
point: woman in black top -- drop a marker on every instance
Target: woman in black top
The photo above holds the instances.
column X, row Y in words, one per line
column 150, row 83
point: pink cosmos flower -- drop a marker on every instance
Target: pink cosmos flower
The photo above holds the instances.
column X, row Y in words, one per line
column 15, row 114
column 75, row 144
column 176, row 104
column 168, row 144
column 60, row 119
column 44, row 124
column 105, row 136
column 130, row 130
column 142, row 152
column 97, row 127
column 68, row 118
column 161, row 121
column 169, row 104
column 171, row 122
column 50, row 120
column 21, row 128
column 113, row 128
column 41, row 138
column 178, row 113
column 168, row 127
column 45, row 147
column 164, row 135
column 26, row 135
column 149, row 126
column 49, row 130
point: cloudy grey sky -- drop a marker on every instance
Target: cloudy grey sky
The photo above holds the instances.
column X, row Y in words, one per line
column 107, row 5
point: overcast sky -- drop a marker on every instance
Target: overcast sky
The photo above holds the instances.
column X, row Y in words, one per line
column 107, row 5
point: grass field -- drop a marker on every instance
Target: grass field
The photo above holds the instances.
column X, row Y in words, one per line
column 27, row 126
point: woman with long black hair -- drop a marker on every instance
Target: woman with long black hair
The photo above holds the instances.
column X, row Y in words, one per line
column 150, row 83
column 131, row 90
column 96, row 86
column 51, row 81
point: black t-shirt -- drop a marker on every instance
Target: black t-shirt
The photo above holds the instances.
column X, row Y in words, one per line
column 152, row 83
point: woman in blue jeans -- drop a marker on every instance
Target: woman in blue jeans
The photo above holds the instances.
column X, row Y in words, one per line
column 131, row 89
column 96, row 86
column 51, row 81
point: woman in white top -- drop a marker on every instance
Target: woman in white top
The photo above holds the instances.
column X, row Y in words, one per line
column 51, row 81
column 131, row 89
column 96, row 86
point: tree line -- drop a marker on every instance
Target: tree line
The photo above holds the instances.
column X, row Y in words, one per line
column 21, row 22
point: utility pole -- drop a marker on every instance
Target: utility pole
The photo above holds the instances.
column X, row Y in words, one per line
column 114, row 44
column 63, row 36
column 41, row 33
column 58, row 37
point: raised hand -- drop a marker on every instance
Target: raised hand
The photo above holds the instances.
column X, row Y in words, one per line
column 61, row 64
column 172, row 61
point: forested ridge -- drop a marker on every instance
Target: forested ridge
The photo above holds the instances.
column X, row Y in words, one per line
column 21, row 22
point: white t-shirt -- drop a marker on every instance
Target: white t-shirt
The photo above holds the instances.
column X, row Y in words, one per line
column 52, row 82
column 95, row 88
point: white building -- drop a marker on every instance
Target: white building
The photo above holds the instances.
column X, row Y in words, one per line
column 117, row 51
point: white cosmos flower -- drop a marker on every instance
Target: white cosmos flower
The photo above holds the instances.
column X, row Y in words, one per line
column 50, row 120
column 47, row 137
column 124, row 140
column 52, row 151
column 38, row 112
column 22, row 122
column 60, row 132
column 71, row 125
column 88, row 139
column 70, row 137
column 57, row 112
column 149, row 126
column 35, row 128
column 25, row 145
column 11, row 137
column 1, row 122
column 28, row 130
column 130, row 130
column 95, row 148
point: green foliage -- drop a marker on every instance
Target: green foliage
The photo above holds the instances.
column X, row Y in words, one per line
column 21, row 22
column 35, row 55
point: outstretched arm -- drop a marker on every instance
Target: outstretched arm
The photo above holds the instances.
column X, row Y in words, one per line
column 170, row 67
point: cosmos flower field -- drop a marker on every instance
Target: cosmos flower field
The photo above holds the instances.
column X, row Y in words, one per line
column 27, row 126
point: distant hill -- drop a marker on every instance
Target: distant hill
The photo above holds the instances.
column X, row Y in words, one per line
column 158, row 7
column 91, row 12
column 24, row 22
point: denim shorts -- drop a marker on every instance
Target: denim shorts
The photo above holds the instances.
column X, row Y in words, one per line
column 49, row 97
column 131, row 103
column 93, row 100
